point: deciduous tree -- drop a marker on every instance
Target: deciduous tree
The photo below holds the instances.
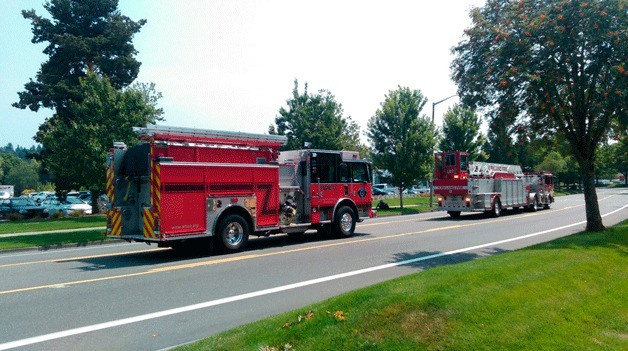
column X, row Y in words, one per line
column 461, row 132
column 402, row 140
column 559, row 65
column 23, row 176
column 316, row 119
column 76, row 150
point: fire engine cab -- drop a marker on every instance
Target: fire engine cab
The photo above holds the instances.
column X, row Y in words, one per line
column 464, row 186
column 182, row 184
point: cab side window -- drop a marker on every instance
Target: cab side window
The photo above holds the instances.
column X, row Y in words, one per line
column 326, row 168
column 359, row 173
column 463, row 162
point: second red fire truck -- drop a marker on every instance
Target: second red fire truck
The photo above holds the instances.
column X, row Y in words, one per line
column 183, row 185
column 464, row 186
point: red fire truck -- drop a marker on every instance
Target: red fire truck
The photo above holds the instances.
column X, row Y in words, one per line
column 182, row 184
column 463, row 186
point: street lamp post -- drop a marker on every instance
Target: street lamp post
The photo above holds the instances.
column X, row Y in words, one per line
column 432, row 180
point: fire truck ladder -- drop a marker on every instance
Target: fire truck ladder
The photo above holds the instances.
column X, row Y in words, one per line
column 486, row 169
column 153, row 129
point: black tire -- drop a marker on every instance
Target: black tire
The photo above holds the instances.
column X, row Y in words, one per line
column 454, row 214
column 535, row 205
column 232, row 234
column 496, row 210
column 344, row 222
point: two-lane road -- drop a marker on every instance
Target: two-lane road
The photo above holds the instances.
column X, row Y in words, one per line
column 139, row 297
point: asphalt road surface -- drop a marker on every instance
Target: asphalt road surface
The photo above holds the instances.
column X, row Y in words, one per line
column 140, row 297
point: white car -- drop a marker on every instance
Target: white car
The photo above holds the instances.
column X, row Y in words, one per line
column 71, row 204
column 42, row 195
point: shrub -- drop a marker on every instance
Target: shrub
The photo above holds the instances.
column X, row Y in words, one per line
column 14, row 217
column 57, row 215
column 76, row 213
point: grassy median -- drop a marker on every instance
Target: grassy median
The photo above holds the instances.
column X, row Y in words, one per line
column 568, row 294
column 46, row 224
column 412, row 204
column 52, row 239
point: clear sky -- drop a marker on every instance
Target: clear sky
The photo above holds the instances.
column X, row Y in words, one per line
column 231, row 64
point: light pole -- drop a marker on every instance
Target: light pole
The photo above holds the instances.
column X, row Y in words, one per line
column 438, row 102
column 432, row 180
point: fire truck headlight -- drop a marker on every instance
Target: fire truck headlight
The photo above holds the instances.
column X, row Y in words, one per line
column 468, row 201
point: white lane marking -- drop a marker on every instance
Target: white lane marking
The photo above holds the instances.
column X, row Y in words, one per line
column 170, row 312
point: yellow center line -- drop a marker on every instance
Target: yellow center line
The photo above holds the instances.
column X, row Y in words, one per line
column 252, row 256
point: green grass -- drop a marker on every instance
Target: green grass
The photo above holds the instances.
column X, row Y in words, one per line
column 38, row 225
column 568, row 294
column 411, row 205
column 51, row 240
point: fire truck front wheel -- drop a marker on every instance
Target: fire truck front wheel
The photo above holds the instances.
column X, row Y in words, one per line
column 344, row 223
column 233, row 233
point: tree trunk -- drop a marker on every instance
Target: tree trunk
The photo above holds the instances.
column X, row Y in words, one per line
column 592, row 208
column 400, row 199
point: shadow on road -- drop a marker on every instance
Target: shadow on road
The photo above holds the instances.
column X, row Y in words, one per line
column 474, row 216
column 425, row 260
column 200, row 250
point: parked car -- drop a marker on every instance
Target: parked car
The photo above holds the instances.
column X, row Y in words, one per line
column 418, row 190
column 42, row 195
column 378, row 191
column 21, row 205
column 390, row 190
column 103, row 201
column 71, row 204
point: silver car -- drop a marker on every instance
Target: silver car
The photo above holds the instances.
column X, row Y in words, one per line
column 71, row 204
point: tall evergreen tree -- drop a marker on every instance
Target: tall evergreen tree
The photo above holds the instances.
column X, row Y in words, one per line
column 86, row 39
column 82, row 36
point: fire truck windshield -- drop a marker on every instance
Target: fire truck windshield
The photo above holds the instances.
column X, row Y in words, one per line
column 450, row 160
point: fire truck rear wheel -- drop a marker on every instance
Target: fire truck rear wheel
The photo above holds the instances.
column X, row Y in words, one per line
column 535, row 205
column 233, row 233
column 454, row 214
column 344, row 223
column 496, row 211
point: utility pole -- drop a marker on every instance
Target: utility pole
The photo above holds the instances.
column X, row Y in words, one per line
column 432, row 180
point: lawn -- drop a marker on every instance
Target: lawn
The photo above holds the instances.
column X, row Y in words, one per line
column 568, row 294
column 53, row 239
column 39, row 225
column 411, row 205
